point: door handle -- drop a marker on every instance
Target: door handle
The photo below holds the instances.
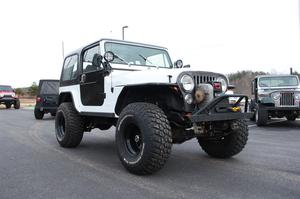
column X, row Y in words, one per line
column 82, row 78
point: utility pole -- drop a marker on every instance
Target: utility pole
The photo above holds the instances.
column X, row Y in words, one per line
column 63, row 49
column 123, row 28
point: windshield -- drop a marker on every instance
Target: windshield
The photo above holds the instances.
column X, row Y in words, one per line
column 5, row 88
column 139, row 55
column 278, row 81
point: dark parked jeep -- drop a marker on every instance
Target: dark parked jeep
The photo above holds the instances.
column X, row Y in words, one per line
column 46, row 100
column 275, row 96
column 8, row 97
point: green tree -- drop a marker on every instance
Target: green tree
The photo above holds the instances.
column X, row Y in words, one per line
column 33, row 89
column 19, row 91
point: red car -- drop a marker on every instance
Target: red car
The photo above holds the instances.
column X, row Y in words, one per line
column 8, row 97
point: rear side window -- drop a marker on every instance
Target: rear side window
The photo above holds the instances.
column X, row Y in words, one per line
column 70, row 68
column 49, row 87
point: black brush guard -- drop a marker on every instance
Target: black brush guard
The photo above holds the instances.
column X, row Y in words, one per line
column 218, row 111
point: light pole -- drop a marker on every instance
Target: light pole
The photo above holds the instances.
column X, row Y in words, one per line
column 123, row 31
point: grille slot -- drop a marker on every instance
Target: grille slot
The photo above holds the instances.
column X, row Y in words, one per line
column 287, row 99
column 199, row 79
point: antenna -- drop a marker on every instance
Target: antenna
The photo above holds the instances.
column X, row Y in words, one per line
column 63, row 49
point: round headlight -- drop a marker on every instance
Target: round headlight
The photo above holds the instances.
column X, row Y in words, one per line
column 223, row 83
column 297, row 96
column 276, row 96
column 109, row 56
column 187, row 82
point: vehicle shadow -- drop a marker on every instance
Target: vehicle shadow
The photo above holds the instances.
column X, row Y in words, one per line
column 185, row 159
column 284, row 124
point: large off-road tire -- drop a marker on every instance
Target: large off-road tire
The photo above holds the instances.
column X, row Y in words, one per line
column 253, row 118
column 38, row 114
column 69, row 126
column 291, row 117
column 261, row 116
column 8, row 106
column 230, row 144
column 17, row 104
column 143, row 138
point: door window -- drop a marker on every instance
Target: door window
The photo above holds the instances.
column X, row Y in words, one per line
column 88, row 59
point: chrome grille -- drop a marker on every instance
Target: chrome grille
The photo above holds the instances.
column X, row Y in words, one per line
column 287, row 99
column 198, row 79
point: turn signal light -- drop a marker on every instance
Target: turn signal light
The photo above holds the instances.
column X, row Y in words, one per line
column 217, row 86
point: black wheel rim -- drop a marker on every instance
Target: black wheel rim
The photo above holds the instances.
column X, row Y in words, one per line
column 133, row 139
column 61, row 126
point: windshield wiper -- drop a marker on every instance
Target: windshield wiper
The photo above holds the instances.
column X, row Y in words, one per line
column 146, row 60
column 122, row 59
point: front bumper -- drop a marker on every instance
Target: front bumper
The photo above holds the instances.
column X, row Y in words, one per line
column 288, row 108
column 10, row 100
column 217, row 110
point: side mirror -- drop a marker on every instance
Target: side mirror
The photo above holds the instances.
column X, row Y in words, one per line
column 178, row 63
column 109, row 56
column 97, row 60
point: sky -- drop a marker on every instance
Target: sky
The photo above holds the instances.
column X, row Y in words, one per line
column 215, row 35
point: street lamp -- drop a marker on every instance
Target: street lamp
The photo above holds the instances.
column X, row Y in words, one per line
column 123, row 31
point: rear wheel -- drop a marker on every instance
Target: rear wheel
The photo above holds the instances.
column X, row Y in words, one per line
column 261, row 116
column 229, row 145
column 38, row 114
column 69, row 126
column 143, row 138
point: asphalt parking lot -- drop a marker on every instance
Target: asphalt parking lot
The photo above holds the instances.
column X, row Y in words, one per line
column 32, row 165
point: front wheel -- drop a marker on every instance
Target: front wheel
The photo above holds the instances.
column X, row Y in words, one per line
column 69, row 126
column 143, row 138
column 261, row 116
column 17, row 104
column 291, row 117
column 229, row 145
column 8, row 106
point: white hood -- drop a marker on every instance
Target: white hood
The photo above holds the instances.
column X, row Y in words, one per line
column 147, row 75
